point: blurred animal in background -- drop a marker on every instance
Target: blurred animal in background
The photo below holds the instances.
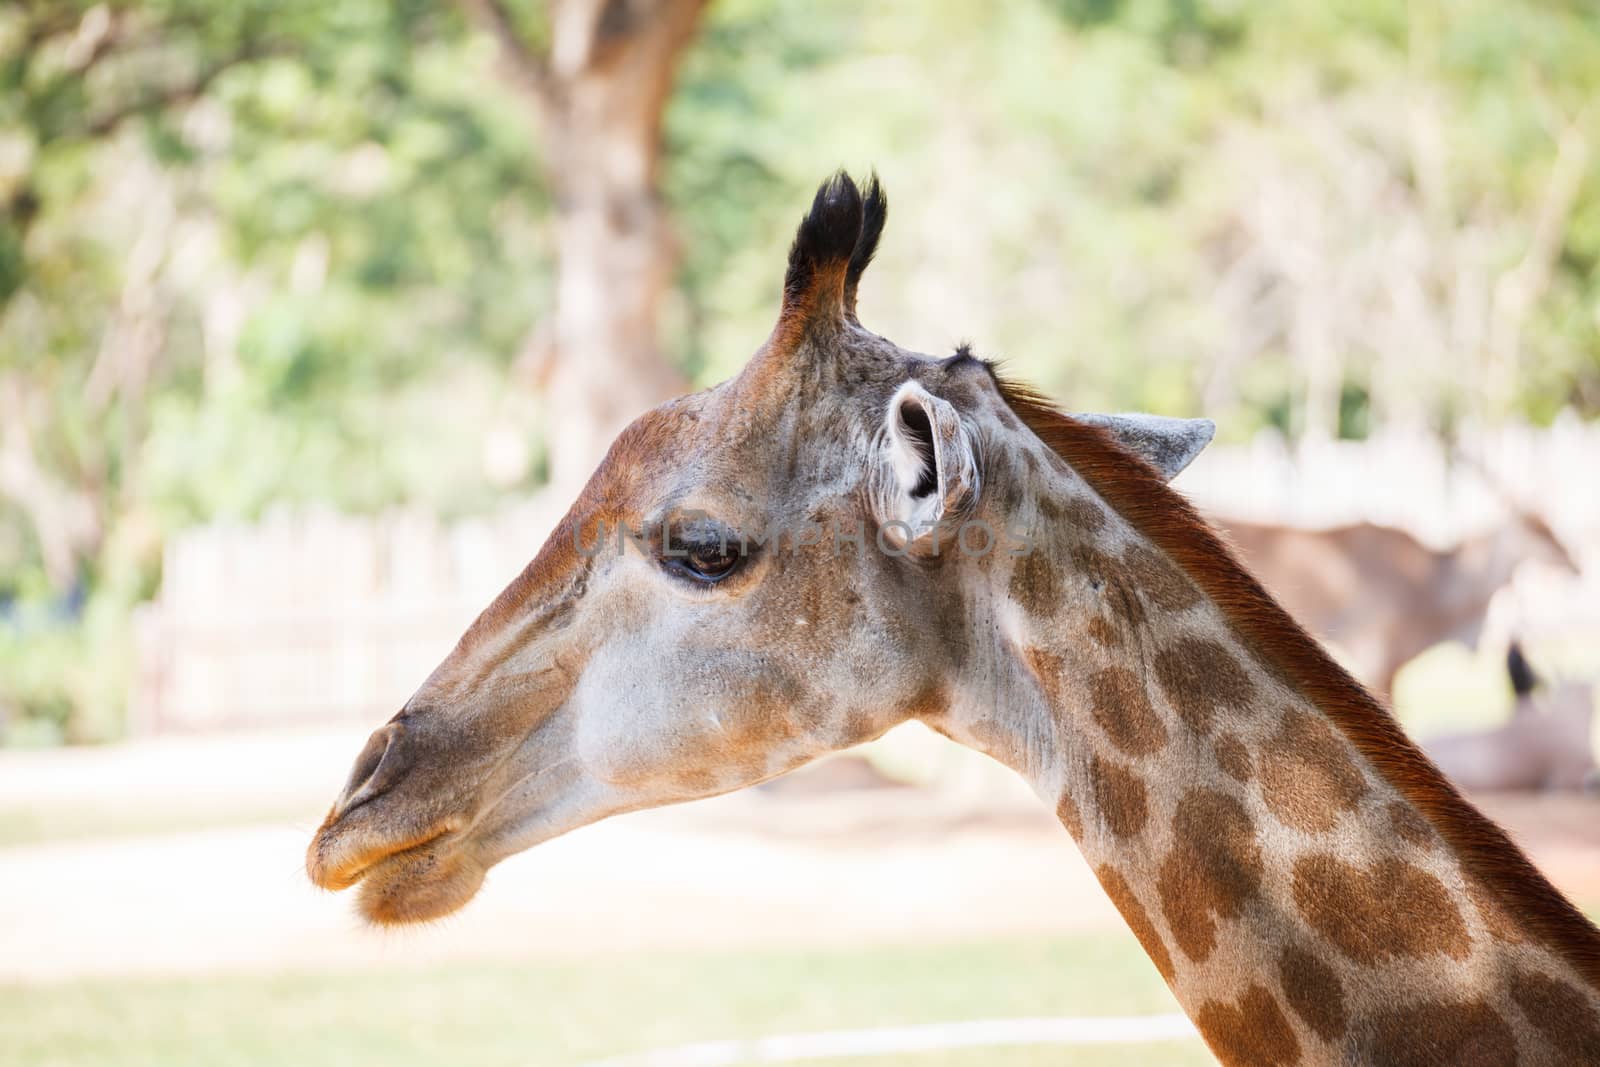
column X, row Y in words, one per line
column 1383, row 596
column 1547, row 744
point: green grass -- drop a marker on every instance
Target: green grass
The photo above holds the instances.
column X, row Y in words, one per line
column 566, row 1013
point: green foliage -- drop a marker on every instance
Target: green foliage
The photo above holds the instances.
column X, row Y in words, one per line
column 248, row 253
column 64, row 679
column 1071, row 180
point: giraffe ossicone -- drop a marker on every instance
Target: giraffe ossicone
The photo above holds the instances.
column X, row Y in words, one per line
column 1307, row 883
column 1167, row 444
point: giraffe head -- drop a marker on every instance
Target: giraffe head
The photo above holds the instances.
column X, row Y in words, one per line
column 756, row 575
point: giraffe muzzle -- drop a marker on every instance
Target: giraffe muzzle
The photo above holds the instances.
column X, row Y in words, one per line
column 382, row 762
column 361, row 832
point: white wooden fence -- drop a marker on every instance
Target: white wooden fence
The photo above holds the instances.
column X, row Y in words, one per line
column 309, row 618
column 1410, row 481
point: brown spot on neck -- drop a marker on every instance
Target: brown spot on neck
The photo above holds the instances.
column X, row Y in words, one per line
column 1233, row 757
column 1564, row 1017
column 1201, row 678
column 1251, row 1033
column 1119, row 797
column 1138, row 920
column 1162, row 584
column 1087, row 564
column 1104, row 632
column 1501, row 926
column 1391, row 910
column 1067, row 812
column 1307, row 776
column 1411, row 827
column 1083, row 514
column 1314, row 992
column 1119, row 704
column 1034, row 584
column 1434, row 1033
column 1048, row 670
column 1213, row 870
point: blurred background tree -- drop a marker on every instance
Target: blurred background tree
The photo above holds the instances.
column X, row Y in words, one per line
column 596, row 75
column 255, row 252
column 243, row 243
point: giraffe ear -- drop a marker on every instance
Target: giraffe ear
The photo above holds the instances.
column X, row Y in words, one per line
column 1168, row 445
column 925, row 471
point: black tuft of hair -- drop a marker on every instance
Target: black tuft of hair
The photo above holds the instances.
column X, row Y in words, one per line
column 874, row 213
column 1523, row 677
column 827, row 235
column 840, row 231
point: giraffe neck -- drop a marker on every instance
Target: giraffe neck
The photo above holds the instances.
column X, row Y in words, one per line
column 1300, row 906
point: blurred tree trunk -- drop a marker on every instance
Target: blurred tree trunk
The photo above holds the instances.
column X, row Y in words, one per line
column 599, row 90
column 67, row 520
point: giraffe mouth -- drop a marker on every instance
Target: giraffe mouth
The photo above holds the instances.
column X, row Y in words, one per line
column 341, row 856
column 407, row 879
column 411, row 864
column 426, row 881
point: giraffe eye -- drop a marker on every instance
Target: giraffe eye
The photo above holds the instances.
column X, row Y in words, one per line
column 705, row 564
column 713, row 562
column 705, row 558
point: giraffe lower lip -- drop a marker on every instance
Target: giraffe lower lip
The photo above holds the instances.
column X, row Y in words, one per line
column 420, row 883
column 402, row 855
column 339, row 876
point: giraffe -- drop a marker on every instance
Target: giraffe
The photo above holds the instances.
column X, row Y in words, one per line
column 787, row 564
column 1383, row 596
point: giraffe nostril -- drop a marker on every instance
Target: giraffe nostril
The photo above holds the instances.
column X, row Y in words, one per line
column 377, row 768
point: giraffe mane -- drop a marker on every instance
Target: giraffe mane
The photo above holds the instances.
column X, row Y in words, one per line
column 1138, row 493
